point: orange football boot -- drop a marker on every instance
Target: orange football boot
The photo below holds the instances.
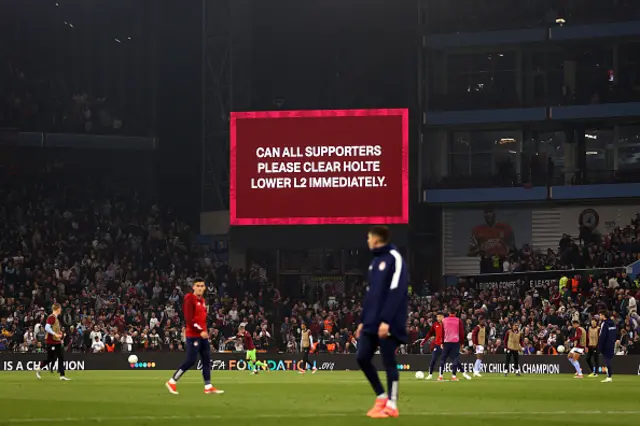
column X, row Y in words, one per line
column 378, row 406
column 385, row 413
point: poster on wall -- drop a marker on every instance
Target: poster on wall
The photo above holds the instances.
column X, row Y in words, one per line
column 488, row 231
column 596, row 221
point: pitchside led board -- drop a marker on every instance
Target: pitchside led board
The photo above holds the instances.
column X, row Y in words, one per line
column 320, row 167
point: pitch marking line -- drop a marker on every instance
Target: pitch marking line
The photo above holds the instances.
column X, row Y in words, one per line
column 301, row 415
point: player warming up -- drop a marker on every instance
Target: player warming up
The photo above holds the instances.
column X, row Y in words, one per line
column 453, row 336
column 513, row 345
column 250, row 350
column 195, row 317
column 593, row 360
column 53, row 341
column 437, row 331
column 384, row 318
column 306, row 343
column 607, row 342
column 579, row 340
column 479, row 339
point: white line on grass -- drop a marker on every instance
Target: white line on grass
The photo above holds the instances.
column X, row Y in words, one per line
column 302, row 415
column 301, row 381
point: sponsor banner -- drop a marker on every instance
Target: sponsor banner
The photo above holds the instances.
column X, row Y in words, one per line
column 529, row 279
column 319, row 167
column 532, row 364
column 487, row 231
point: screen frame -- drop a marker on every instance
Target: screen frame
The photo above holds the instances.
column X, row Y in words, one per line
column 320, row 220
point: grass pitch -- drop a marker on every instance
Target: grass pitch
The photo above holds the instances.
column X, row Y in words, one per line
column 337, row 398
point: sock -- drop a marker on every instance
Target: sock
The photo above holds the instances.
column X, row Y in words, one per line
column 208, row 386
column 432, row 365
column 392, row 404
column 171, row 381
column 176, row 376
column 576, row 365
column 383, row 395
column 477, row 368
column 608, row 364
column 393, row 393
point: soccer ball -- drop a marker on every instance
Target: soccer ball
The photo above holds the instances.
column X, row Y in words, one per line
column 561, row 349
column 419, row 375
column 132, row 359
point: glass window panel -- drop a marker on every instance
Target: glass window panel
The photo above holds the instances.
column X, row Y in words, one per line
column 459, row 165
column 628, row 147
column 483, row 141
column 482, row 165
column 491, row 141
column 629, row 135
column 598, row 139
column 482, row 62
column 505, row 61
column 458, row 84
column 629, row 157
column 505, row 162
column 480, row 82
column 551, row 145
column 508, row 143
column 460, row 143
column 504, row 85
column 459, row 64
column 597, row 160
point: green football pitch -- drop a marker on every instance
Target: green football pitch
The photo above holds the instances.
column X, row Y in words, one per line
column 335, row 398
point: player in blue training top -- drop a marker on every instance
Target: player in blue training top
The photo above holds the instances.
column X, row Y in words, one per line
column 607, row 341
column 384, row 319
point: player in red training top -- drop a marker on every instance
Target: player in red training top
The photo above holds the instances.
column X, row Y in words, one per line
column 250, row 348
column 579, row 340
column 437, row 331
column 491, row 238
column 195, row 319
column 54, row 342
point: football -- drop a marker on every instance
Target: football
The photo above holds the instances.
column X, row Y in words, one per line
column 132, row 359
column 419, row 375
column 561, row 349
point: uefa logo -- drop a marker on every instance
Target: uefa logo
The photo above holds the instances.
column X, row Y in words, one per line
column 145, row 365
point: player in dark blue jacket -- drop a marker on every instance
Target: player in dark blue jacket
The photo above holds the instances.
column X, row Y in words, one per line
column 607, row 341
column 384, row 319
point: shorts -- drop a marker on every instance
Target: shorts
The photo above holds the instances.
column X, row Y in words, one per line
column 479, row 349
column 577, row 351
column 251, row 355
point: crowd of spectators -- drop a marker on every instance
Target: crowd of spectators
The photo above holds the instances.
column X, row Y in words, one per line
column 590, row 250
column 33, row 101
column 544, row 313
column 120, row 263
